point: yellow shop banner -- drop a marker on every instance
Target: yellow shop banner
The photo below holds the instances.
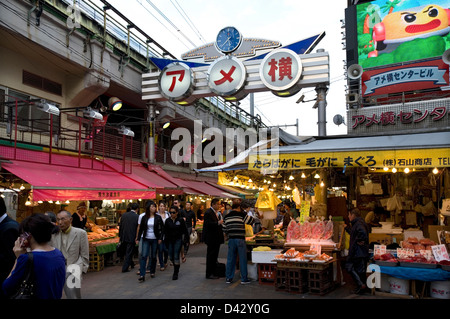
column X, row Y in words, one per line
column 438, row 157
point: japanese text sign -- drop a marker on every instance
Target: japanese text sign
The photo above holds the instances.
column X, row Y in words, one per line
column 440, row 252
column 403, row 253
column 316, row 247
column 176, row 81
column 379, row 250
column 423, row 75
column 377, row 159
column 226, row 76
column 280, row 70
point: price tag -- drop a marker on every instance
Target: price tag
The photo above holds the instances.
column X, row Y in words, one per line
column 403, row 253
column 440, row 252
column 317, row 248
column 379, row 250
column 427, row 254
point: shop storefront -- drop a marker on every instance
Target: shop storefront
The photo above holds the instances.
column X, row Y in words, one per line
column 406, row 175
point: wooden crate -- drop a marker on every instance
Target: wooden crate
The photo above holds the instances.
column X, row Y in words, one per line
column 297, row 280
column 281, row 279
column 96, row 262
column 320, row 281
column 266, row 273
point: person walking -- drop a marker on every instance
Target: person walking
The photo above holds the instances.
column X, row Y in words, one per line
column 190, row 219
column 163, row 253
column 9, row 231
column 213, row 237
column 74, row 245
column 150, row 231
column 49, row 265
column 358, row 252
column 234, row 227
column 174, row 230
column 127, row 233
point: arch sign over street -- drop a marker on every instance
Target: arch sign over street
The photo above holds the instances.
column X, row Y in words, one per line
column 284, row 71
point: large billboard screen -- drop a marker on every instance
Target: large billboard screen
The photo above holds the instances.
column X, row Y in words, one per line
column 396, row 31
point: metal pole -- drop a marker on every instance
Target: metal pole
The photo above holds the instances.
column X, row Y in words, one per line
column 321, row 90
column 151, row 135
column 252, row 107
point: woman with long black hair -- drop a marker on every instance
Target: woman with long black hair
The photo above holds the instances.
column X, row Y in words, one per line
column 151, row 230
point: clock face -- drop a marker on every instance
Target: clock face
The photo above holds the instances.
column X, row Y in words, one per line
column 228, row 39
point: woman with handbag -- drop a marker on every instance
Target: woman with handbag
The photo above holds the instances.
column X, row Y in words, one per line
column 46, row 265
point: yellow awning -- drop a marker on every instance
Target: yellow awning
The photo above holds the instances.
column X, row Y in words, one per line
column 413, row 158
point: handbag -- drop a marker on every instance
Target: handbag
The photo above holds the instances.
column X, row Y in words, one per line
column 27, row 286
column 193, row 237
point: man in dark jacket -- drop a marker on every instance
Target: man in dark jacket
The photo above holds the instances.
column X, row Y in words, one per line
column 9, row 232
column 358, row 252
column 127, row 233
column 213, row 237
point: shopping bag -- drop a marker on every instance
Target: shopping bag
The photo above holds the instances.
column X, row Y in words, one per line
column 193, row 237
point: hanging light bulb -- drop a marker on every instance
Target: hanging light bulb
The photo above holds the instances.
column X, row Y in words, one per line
column 406, row 170
column 317, row 176
column 235, row 178
column 385, row 169
column 303, row 175
column 435, row 170
column 250, row 180
column 22, row 187
column 322, row 184
column 394, row 170
column 291, row 178
column 67, row 202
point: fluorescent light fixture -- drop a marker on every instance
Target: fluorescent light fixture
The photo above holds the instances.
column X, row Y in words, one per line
column 115, row 103
column 90, row 113
column 47, row 107
column 126, row 131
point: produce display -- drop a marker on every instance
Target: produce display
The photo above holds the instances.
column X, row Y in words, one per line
column 292, row 255
column 416, row 244
column 319, row 231
column 97, row 233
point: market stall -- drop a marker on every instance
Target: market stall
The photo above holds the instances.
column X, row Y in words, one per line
column 419, row 262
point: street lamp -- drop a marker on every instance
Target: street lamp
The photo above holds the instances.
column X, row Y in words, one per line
column 114, row 103
column 126, row 131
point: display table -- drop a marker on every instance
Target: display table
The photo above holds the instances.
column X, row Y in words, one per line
column 422, row 274
column 104, row 246
column 415, row 275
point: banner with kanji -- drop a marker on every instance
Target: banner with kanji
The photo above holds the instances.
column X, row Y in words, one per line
column 412, row 158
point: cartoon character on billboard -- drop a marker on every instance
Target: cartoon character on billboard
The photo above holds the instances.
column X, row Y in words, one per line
column 406, row 25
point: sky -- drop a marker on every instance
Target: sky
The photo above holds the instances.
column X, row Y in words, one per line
column 182, row 25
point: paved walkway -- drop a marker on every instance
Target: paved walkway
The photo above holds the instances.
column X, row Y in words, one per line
column 111, row 283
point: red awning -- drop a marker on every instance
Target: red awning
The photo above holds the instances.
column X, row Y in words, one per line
column 148, row 177
column 55, row 182
column 207, row 189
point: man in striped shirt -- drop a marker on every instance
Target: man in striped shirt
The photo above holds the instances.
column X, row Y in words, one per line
column 234, row 227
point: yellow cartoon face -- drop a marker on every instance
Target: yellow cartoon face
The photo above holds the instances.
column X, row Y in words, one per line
column 415, row 23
